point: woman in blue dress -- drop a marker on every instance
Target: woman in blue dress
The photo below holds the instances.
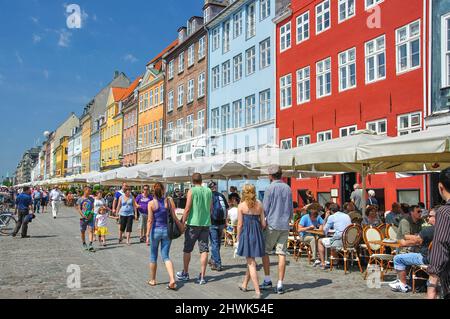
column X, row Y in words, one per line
column 251, row 222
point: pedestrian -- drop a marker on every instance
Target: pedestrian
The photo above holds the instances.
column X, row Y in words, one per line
column 127, row 213
column 44, row 201
column 251, row 244
column 99, row 203
column 278, row 209
column 117, row 195
column 85, row 207
column 439, row 269
column 356, row 197
column 101, row 224
column 218, row 221
column 37, row 196
column 197, row 217
column 157, row 234
column 234, row 192
column 143, row 200
column 55, row 199
column 23, row 209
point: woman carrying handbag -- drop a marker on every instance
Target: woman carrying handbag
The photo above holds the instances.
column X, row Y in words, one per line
column 160, row 232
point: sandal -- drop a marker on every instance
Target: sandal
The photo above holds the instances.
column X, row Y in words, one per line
column 243, row 289
column 151, row 283
column 172, row 287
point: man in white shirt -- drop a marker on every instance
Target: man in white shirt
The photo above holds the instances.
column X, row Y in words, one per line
column 55, row 198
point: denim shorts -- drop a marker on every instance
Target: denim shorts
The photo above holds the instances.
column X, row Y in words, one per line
column 402, row 261
column 84, row 223
column 195, row 234
column 159, row 236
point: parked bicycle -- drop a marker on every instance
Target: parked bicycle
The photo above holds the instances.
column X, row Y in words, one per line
column 8, row 223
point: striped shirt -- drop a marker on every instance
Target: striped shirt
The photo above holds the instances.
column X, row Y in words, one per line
column 440, row 252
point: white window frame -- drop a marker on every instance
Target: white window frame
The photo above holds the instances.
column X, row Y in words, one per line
column 251, row 20
column 226, row 116
column 250, row 110
column 190, row 125
column 215, row 120
column 377, row 124
column 303, row 78
column 264, row 9
column 321, row 73
column 237, row 24
column 238, row 67
column 285, row 36
column 445, row 48
column 215, row 77
column 201, row 122
column 171, row 69
column 346, row 7
column 238, row 114
column 201, row 48
column 348, row 129
column 265, row 106
column 303, row 138
column 264, row 54
column 215, row 39
column 286, row 91
column 408, row 43
column 320, row 16
column 226, row 36
column 250, row 61
column 191, row 87
column 180, row 98
column 302, row 24
column 286, row 144
column 410, row 129
column 346, row 65
column 226, row 73
column 181, row 62
column 375, row 55
column 371, row 3
column 201, row 85
column 191, row 55
column 324, row 133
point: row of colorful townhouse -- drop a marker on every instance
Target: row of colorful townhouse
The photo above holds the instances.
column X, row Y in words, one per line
column 252, row 73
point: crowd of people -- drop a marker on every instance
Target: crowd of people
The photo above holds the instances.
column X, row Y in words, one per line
column 262, row 228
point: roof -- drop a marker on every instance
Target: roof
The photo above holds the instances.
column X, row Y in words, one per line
column 131, row 88
column 160, row 55
column 118, row 93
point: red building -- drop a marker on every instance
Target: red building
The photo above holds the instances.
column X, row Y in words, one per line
column 347, row 65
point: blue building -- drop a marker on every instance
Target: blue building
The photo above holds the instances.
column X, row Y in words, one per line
column 440, row 64
column 95, row 151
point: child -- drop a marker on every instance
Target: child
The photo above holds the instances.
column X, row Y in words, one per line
column 101, row 225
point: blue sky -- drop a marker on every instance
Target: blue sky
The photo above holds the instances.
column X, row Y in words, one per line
column 48, row 71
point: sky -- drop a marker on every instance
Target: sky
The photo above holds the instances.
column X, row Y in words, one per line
column 48, row 70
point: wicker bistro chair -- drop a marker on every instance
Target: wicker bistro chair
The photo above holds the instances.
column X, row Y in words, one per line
column 376, row 251
column 230, row 236
column 294, row 239
column 382, row 228
column 419, row 272
column 391, row 232
column 351, row 237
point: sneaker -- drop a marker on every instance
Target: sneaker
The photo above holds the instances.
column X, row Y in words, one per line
column 91, row 248
column 399, row 287
column 219, row 268
column 266, row 285
column 85, row 247
column 280, row 290
column 201, row 280
column 316, row 263
column 394, row 283
column 182, row 276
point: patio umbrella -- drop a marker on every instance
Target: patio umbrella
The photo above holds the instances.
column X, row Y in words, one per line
column 155, row 170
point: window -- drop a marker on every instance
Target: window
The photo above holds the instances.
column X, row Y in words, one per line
column 408, row 196
column 286, row 91
column 161, row 130
column 169, row 133
column 250, row 110
column 170, row 104
column 201, row 48
column 286, row 144
column 145, row 101
column 151, row 98
column 180, row 129
column 323, row 78
column 226, row 117
column 285, row 37
column 250, row 57
column 409, row 123
column 251, row 20
column 215, row 39
column 346, row 9
column 323, row 16
column 141, row 103
column 180, row 95
column 201, row 122
column 408, row 47
column 161, row 94
column 190, row 126
column 171, row 70
column 156, row 96
column 264, row 8
column 191, row 56
column 140, row 137
column 264, row 54
column 303, row 27
column 303, row 140
column 347, row 70
column 375, row 60
column 324, row 136
column 155, row 132
column 265, row 106
column 215, row 120
column 347, row 131
column 238, row 114
column 372, row 3
column 445, row 44
column 226, row 73
column 201, row 85
column 303, row 85
column 237, row 19
column 144, row 136
column 380, row 126
column 150, row 133
column 181, row 62
column 215, row 78
column 237, row 66
column 226, row 36
column 190, row 97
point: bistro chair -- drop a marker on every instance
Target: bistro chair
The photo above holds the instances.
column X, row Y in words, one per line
column 230, row 236
column 294, row 238
column 419, row 272
column 376, row 251
column 351, row 237
column 391, row 232
column 382, row 229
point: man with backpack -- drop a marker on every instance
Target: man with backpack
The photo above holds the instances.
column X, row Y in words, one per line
column 218, row 224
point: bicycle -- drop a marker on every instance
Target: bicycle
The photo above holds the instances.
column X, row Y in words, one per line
column 8, row 223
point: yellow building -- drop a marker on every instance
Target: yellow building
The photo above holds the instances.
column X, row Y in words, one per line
column 61, row 157
column 85, row 143
column 151, row 111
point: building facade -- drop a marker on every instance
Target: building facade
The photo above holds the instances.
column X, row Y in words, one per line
column 74, row 156
column 369, row 79
column 130, row 117
column 186, row 92
column 25, row 167
column 61, row 157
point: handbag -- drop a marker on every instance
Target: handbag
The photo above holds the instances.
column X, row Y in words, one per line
column 172, row 226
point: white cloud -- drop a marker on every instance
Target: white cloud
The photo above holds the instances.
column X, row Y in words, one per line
column 35, row 20
column 64, row 38
column 130, row 58
column 46, row 74
column 36, row 38
column 19, row 58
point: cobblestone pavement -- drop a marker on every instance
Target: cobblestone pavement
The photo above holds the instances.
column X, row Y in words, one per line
column 37, row 268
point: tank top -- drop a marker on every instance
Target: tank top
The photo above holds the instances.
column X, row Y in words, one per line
column 200, row 214
column 127, row 208
column 160, row 215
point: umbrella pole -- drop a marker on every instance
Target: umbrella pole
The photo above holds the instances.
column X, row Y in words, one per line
column 364, row 186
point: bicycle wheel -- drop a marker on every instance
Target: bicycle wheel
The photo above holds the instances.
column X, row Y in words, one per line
column 7, row 224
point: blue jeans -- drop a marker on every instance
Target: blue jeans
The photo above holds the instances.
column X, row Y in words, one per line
column 215, row 235
column 159, row 235
column 405, row 260
column 36, row 205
